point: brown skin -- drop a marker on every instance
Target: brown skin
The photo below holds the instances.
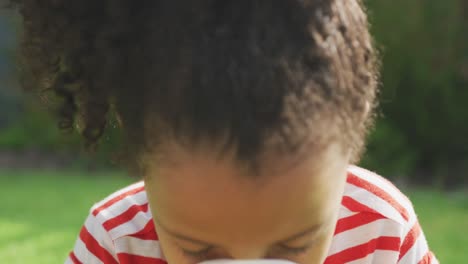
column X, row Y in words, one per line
column 202, row 202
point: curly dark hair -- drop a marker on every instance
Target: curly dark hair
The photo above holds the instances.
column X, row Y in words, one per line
column 255, row 74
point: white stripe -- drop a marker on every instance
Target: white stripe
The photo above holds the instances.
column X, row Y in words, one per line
column 379, row 256
column 373, row 201
column 122, row 206
column 136, row 246
column 345, row 212
column 117, row 193
column 137, row 223
column 407, row 228
column 417, row 251
column 100, row 235
column 83, row 255
column 385, row 185
column 68, row 261
column 363, row 234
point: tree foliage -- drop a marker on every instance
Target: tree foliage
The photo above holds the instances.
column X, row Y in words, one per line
column 424, row 123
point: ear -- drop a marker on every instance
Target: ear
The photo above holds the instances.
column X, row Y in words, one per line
column 366, row 110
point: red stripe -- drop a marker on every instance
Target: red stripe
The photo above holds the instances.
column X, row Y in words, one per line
column 95, row 248
column 74, row 259
column 410, row 239
column 356, row 220
column 125, row 258
column 361, row 251
column 125, row 216
column 361, row 183
column 117, row 198
column 427, row 259
column 355, row 206
column 391, row 185
column 147, row 233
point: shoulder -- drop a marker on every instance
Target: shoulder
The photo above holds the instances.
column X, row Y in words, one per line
column 368, row 192
column 125, row 212
column 376, row 221
column 119, row 229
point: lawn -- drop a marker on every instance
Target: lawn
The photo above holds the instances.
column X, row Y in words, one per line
column 42, row 212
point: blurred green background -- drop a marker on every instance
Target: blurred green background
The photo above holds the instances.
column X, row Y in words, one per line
column 420, row 140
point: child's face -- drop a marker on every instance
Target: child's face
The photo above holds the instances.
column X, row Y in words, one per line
column 206, row 207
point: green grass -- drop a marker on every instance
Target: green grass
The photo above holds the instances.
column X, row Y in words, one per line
column 42, row 212
column 444, row 219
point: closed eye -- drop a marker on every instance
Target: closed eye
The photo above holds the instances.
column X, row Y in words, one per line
column 284, row 249
column 197, row 254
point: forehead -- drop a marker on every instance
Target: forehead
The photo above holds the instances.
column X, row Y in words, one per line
column 212, row 198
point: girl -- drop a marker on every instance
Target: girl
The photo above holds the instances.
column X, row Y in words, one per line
column 242, row 117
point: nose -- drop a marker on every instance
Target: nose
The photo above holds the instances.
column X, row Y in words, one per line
column 247, row 253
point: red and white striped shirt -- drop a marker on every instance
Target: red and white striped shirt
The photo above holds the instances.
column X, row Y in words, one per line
column 376, row 224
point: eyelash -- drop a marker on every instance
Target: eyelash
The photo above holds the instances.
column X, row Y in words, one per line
column 201, row 254
column 293, row 250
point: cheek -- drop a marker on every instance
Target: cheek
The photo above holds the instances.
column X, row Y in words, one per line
column 318, row 253
column 172, row 252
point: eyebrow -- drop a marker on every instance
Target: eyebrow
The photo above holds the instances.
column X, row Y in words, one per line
column 182, row 237
column 310, row 230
